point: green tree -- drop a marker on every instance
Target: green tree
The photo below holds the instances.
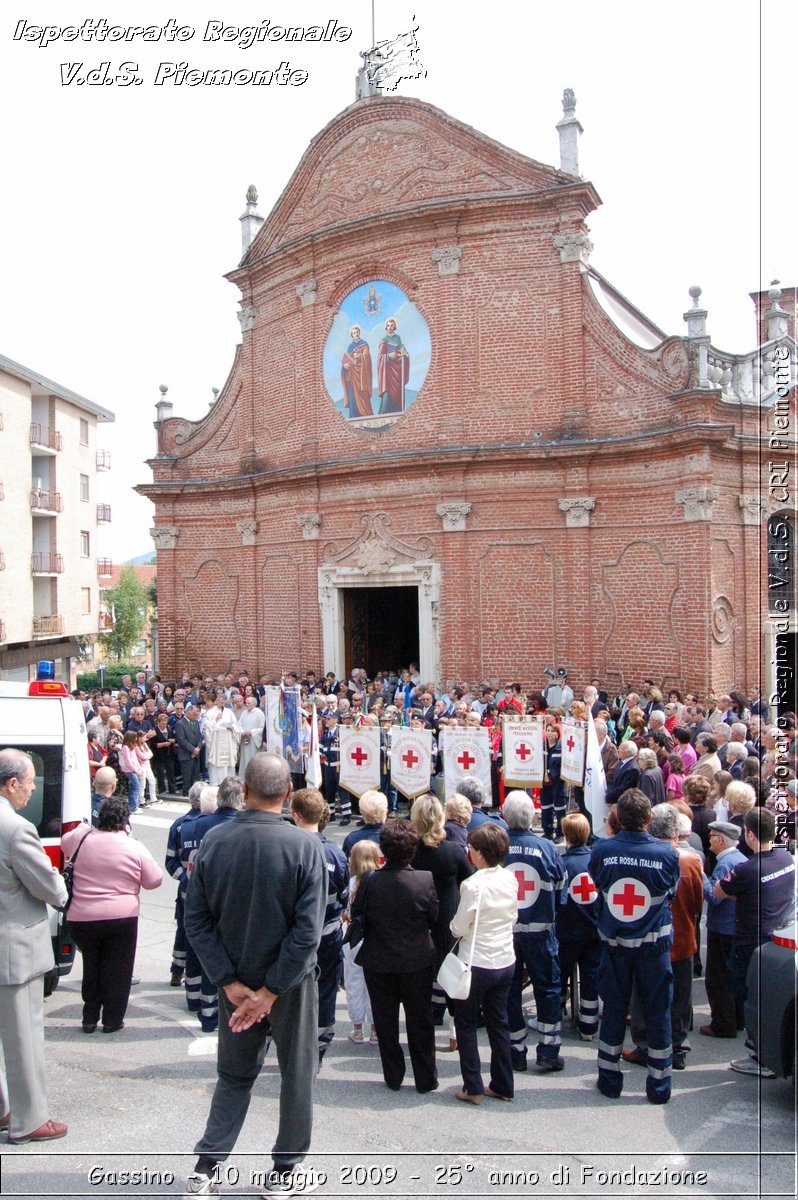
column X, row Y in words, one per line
column 128, row 601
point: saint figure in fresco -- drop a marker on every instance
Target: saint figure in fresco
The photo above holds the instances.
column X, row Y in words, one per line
column 356, row 376
column 393, row 371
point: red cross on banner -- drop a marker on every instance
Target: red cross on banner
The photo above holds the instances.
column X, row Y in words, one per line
column 570, row 744
column 466, row 760
column 523, row 751
column 359, row 755
column 410, row 759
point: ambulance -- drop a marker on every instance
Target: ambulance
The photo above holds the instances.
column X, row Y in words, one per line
column 42, row 719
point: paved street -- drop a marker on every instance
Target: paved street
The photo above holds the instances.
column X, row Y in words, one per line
column 137, row 1101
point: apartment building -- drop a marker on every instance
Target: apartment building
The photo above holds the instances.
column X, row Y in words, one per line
column 52, row 512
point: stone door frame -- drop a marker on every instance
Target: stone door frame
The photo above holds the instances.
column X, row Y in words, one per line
column 423, row 575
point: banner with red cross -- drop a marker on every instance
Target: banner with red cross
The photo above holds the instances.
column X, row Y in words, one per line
column 360, row 759
column 411, row 756
column 465, row 752
column 573, row 739
column 522, row 754
column 582, row 889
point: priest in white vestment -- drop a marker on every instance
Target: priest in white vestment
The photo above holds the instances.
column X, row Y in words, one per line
column 251, row 723
column 222, row 737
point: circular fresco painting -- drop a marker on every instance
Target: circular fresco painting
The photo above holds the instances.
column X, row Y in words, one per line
column 377, row 355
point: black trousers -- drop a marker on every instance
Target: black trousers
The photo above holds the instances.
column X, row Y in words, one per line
column 720, row 994
column 109, row 950
column 413, row 990
column 489, row 990
column 165, row 773
column 190, row 770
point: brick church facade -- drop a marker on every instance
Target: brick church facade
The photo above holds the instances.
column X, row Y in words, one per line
column 551, row 481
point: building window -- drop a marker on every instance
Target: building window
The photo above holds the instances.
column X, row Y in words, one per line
column 84, row 432
column 84, row 487
column 85, row 544
column 85, row 601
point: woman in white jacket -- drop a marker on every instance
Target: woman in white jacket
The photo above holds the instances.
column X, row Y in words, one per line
column 486, row 915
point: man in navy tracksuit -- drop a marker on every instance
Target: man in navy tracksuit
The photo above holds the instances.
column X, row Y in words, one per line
column 636, row 875
column 310, row 812
column 577, row 922
column 539, row 873
column 179, row 872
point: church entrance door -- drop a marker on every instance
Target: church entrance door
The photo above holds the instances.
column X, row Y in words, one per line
column 380, row 628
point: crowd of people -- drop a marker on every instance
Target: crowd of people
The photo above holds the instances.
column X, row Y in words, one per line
column 521, row 886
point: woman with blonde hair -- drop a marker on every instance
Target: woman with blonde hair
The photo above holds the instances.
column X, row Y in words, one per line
column 449, row 867
column 740, row 798
column 458, row 812
column 364, row 859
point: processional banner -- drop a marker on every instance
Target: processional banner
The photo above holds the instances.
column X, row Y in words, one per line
column 360, row 759
column 522, row 754
column 572, row 742
column 411, row 759
column 465, row 752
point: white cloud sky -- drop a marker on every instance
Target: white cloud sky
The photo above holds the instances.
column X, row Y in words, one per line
column 119, row 206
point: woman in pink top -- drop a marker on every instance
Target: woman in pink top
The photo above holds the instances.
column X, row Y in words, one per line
column 674, row 784
column 131, row 762
column 110, row 869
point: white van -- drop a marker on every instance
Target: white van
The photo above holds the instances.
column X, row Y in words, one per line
column 42, row 719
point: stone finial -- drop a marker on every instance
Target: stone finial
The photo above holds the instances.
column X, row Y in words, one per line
column 165, row 537
column 453, row 514
column 250, row 219
column 698, row 502
column 306, row 291
column 246, row 316
column 248, row 530
column 310, row 524
column 777, row 318
column 577, row 510
column 573, row 247
column 163, row 407
column 448, row 259
column 214, row 397
column 569, row 130
column 696, row 317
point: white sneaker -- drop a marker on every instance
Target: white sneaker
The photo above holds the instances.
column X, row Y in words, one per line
column 200, row 1185
column 297, row 1182
column 356, row 1035
column 750, row 1066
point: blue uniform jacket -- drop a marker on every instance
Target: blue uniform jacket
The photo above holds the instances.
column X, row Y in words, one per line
column 577, row 919
column 539, row 873
column 636, row 875
column 721, row 913
column 337, row 884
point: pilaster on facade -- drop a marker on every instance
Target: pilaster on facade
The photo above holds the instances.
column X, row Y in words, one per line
column 577, row 510
column 249, row 532
column 573, row 247
column 306, row 291
column 246, row 317
column 448, row 259
column 753, row 508
column 699, row 502
column 453, row 515
column 310, row 524
column 165, row 537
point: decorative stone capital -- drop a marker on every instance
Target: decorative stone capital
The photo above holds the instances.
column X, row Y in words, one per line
column 165, row 537
column 698, row 502
column 307, row 292
column 310, row 524
column 248, row 531
column 448, row 259
column 246, row 316
column 577, row 510
column 573, row 247
column 453, row 515
column 753, row 509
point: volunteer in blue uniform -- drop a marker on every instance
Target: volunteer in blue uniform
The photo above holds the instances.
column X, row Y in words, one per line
column 538, row 870
column 577, row 923
column 176, row 869
column 310, row 812
column 636, row 875
column 552, row 794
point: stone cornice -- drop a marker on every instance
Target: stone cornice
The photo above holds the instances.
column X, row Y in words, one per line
column 652, row 442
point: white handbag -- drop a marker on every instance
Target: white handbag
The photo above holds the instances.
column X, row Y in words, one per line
column 454, row 975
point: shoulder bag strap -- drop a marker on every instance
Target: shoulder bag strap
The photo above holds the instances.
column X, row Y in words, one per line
column 74, row 857
column 476, row 922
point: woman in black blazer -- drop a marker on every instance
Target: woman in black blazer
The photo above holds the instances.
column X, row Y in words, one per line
column 400, row 906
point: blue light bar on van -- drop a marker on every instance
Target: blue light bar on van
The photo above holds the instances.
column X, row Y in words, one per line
column 45, row 669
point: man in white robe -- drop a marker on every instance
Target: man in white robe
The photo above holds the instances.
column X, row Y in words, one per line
column 251, row 723
column 222, row 737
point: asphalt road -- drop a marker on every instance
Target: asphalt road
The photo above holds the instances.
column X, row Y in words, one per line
column 136, row 1102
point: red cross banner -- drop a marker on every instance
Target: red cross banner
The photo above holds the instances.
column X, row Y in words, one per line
column 360, row 759
column 411, row 755
column 465, row 752
column 522, row 754
column 573, row 738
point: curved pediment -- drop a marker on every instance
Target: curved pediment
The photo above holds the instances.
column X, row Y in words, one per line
column 384, row 155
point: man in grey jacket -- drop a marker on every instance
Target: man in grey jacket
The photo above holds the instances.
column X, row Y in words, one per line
column 28, row 883
column 254, row 913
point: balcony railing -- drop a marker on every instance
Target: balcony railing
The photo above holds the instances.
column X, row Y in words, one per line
column 44, row 563
column 47, row 626
column 103, row 460
column 46, row 501
column 105, row 567
column 103, row 513
column 40, row 435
